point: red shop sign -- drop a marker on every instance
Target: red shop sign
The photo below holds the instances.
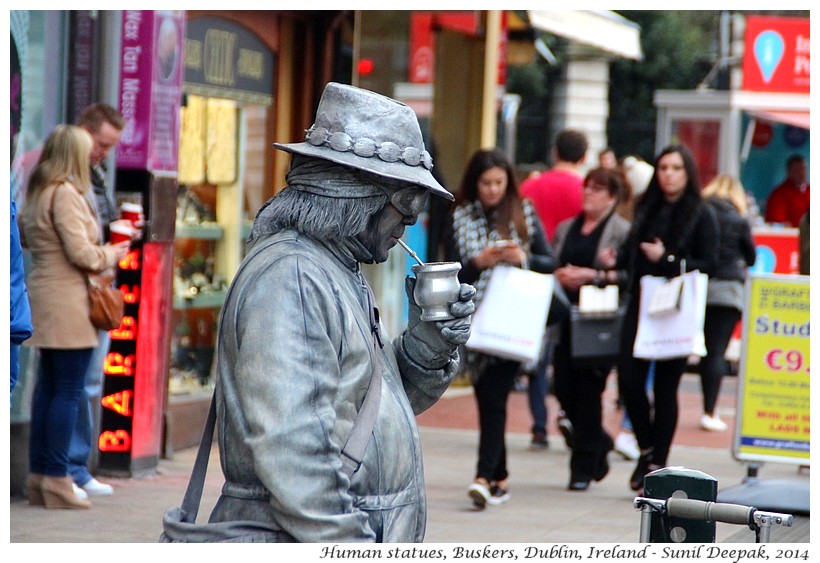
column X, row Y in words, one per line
column 777, row 55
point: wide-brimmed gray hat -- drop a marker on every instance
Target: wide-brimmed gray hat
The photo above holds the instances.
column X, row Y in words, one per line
column 371, row 132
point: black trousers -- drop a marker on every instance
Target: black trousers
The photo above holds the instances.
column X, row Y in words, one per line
column 718, row 327
column 654, row 427
column 579, row 389
column 492, row 388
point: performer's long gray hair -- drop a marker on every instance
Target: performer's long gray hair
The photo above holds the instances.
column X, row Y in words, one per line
column 324, row 200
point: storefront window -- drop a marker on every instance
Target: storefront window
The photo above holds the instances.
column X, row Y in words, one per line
column 702, row 137
column 37, row 87
column 222, row 184
column 36, row 99
column 384, row 48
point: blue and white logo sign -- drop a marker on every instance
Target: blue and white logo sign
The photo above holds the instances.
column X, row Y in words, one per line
column 768, row 47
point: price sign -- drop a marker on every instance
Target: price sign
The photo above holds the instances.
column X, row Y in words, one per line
column 789, row 360
column 774, row 395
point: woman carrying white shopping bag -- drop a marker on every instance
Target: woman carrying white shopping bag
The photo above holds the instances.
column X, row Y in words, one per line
column 672, row 225
column 492, row 226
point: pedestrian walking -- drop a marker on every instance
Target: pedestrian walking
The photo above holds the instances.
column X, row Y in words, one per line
column 492, row 225
column 586, row 247
column 725, row 299
column 673, row 226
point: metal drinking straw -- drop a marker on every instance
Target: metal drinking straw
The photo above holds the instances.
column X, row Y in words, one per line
column 410, row 252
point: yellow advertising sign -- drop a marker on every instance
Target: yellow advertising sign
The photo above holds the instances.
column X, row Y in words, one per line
column 774, row 394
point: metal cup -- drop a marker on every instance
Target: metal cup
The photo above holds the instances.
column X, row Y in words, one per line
column 437, row 288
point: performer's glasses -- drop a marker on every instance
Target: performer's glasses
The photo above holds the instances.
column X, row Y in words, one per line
column 409, row 201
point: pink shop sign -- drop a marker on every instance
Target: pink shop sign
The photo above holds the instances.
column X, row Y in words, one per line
column 150, row 89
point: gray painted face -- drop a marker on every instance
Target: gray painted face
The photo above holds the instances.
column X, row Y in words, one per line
column 387, row 226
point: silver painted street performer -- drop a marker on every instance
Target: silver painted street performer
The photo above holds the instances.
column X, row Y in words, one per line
column 300, row 342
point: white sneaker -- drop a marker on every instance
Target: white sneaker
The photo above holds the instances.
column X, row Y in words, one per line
column 712, row 423
column 96, row 489
column 498, row 495
column 479, row 494
column 81, row 494
column 627, row 445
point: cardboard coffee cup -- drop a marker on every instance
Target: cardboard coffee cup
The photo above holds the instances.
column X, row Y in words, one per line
column 121, row 232
column 131, row 212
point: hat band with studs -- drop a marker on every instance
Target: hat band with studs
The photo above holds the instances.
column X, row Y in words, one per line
column 387, row 151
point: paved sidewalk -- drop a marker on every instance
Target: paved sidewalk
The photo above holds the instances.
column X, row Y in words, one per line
column 541, row 509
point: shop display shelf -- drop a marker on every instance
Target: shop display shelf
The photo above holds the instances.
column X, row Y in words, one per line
column 203, row 231
column 201, row 300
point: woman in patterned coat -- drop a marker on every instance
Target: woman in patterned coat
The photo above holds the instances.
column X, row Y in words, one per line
column 492, row 225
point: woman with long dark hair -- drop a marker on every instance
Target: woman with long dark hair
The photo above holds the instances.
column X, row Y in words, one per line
column 673, row 226
column 492, row 225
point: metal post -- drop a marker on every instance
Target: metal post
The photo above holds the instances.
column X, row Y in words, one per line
column 646, row 524
column 764, row 521
column 647, row 507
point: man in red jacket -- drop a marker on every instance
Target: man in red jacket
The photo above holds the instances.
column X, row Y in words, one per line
column 790, row 200
column 556, row 194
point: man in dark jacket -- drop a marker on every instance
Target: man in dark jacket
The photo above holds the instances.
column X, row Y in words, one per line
column 105, row 125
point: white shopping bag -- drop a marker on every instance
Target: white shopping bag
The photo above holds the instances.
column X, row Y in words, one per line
column 511, row 319
column 665, row 297
column 594, row 300
column 678, row 333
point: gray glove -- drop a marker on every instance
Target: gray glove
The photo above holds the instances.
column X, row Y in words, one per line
column 430, row 343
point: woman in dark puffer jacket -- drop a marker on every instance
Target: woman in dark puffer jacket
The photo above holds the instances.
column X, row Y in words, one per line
column 725, row 299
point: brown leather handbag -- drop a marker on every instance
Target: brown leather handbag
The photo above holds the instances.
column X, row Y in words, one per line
column 107, row 305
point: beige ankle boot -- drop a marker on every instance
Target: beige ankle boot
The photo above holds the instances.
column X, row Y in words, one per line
column 33, row 492
column 58, row 492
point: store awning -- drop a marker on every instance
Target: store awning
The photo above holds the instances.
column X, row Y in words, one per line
column 800, row 119
column 603, row 29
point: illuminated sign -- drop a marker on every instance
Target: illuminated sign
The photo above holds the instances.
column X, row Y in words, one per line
column 120, row 367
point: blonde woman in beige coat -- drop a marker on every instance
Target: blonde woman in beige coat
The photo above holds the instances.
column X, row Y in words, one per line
column 60, row 230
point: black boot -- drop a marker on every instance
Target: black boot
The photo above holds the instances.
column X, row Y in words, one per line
column 641, row 469
column 602, row 467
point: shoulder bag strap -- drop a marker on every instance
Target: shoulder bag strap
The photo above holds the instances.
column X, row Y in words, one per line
column 193, row 494
column 353, row 452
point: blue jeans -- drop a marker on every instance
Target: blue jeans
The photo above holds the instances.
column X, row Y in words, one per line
column 54, row 408
column 537, row 390
column 82, row 438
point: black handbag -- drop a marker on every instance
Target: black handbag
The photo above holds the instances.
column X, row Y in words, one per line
column 595, row 338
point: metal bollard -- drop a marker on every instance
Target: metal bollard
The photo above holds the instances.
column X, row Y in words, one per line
column 680, row 482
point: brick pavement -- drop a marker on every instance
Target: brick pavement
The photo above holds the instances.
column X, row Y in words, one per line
column 540, row 510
